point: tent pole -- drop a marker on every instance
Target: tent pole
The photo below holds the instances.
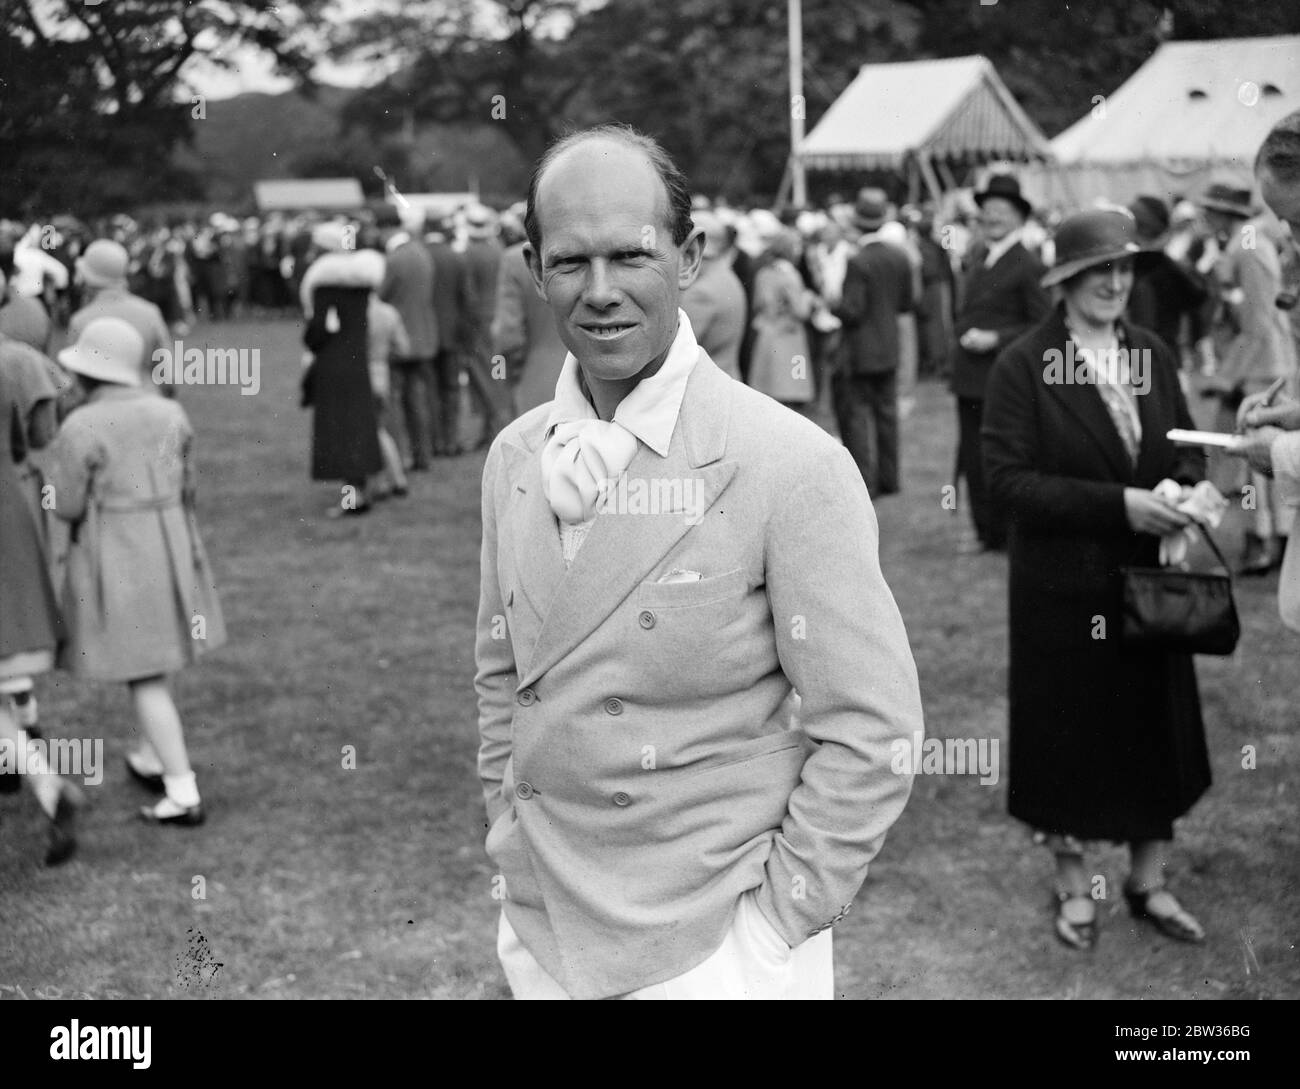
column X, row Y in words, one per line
column 786, row 176
column 931, row 181
column 800, row 195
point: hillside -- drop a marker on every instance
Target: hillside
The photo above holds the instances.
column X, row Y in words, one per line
column 257, row 135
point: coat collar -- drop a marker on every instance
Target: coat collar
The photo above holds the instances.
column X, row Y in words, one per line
column 621, row 549
column 1084, row 402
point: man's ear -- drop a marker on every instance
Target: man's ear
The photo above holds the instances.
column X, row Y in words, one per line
column 535, row 269
column 692, row 255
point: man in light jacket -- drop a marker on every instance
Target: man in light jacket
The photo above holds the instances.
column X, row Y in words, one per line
column 1272, row 440
column 666, row 555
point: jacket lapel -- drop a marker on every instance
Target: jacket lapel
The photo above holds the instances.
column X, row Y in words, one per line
column 1084, row 403
column 621, row 549
column 1156, row 417
column 539, row 562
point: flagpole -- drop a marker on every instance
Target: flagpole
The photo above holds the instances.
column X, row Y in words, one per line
column 800, row 192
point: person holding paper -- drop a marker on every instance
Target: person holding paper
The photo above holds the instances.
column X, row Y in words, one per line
column 1272, row 420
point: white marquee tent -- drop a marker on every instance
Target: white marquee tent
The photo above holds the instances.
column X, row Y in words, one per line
column 1194, row 112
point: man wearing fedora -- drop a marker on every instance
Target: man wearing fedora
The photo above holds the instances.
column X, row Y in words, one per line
column 1001, row 298
column 102, row 270
column 878, row 287
column 662, row 826
column 1252, row 341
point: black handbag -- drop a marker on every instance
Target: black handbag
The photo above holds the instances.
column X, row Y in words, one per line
column 1188, row 611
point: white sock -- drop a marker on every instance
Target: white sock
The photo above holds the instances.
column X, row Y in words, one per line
column 182, row 789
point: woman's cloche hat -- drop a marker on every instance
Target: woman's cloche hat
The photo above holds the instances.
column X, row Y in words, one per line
column 1091, row 238
column 109, row 349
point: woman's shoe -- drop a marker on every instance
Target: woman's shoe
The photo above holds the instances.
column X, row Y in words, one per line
column 1081, row 935
column 167, row 811
column 63, row 825
column 1178, row 924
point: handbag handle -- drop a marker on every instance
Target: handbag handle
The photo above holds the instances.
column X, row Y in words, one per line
column 1215, row 549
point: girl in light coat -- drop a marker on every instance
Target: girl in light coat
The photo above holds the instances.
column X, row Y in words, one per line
column 138, row 597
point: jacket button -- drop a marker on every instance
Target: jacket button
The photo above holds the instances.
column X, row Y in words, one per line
column 526, row 698
column 523, row 791
column 646, row 619
column 622, row 798
column 614, row 706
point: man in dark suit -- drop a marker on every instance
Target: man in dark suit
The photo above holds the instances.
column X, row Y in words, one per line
column 877, row 288
column 487, row 374
column 1164, row 292
column 408, row 287
column 450, row 307
column 1001, row 298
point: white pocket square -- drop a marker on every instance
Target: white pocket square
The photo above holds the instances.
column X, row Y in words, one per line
column 679, row 575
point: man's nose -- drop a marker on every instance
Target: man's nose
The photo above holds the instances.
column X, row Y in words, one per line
column 600, row 292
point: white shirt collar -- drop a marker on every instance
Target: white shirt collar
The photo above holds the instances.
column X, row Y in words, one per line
column 999, row 248
column 401, row 238
column 650, row 411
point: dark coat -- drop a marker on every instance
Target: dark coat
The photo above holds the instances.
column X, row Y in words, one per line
column 345, row 435
column 1106, row 742
column 451, row 296
column 877, row 288
column 408, row 287
column 482, row 259
column 1006, row 298
column 1163, row 291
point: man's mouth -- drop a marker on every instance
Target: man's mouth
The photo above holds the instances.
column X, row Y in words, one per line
column 606, row 330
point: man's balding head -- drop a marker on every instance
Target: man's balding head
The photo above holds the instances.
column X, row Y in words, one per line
column 676, row 194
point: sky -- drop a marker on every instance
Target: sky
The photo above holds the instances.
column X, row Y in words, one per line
column 252, row 70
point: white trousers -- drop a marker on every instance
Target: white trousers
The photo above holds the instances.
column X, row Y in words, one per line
column 753, row 962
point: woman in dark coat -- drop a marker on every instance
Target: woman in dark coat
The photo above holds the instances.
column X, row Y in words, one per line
column 1106, row 740
column 30, row 625
column 335, row 295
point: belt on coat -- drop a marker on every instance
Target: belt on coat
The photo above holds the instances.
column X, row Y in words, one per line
column 98, row 506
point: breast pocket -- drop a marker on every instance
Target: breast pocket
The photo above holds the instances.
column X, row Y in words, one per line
column 685, row 595
column 699, row 636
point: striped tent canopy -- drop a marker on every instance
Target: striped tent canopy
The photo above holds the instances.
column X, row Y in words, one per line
column 955, row 110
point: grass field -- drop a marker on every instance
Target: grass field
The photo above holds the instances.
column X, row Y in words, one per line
column 323, row 882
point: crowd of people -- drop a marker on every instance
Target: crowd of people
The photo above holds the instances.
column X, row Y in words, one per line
column 834, row 313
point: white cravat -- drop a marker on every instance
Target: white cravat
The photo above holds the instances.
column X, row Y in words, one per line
column 583, row 454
